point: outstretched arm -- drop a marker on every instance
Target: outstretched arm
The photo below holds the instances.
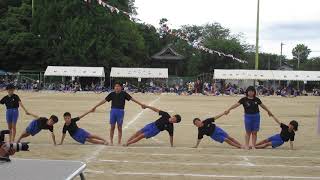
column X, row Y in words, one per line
column 53, row 138
column 198, row 142
column 62, row 138
column 99, row 104
column 266, row 109
column 171, row 141
column 22, row 106
column 232, row 107
column 33, row 115
column 219, row 116
column 150, row 107
column 291, row 145
column 136, row 101
column 86, row 113
column 276, row 120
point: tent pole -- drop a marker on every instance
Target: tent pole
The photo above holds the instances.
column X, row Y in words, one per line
column 44, row 81
column 110, row 85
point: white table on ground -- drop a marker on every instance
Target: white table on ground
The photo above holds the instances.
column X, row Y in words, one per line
column 36, row 169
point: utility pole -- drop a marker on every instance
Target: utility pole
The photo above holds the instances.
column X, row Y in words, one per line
column 257, row 37
column 257, row 41
column 281, row 54
column 32, row 7
column 298, row 67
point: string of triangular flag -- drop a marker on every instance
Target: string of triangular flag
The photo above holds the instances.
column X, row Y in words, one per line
column 197, row 44
column 113, row 9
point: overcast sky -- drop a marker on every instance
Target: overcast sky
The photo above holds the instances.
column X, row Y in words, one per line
column 287, row 21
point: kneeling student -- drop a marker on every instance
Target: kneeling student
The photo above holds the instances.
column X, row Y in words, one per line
column 287, row 133
column 78, row 134
column 207, row 127
column 165, row 122
column 40, row 123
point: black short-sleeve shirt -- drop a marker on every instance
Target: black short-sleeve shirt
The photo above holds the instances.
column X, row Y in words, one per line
column 42, row 124
column 118, row 99
column 72, row 127
column 163, row 123
column 251, row 106
column 11, row 102
column 207, row 128
column 285, row 134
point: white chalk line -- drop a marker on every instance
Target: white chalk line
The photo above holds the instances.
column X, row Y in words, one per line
column 96, row 153
column 211, row 175
column 93, row 171
column 247, row 161
column 139, row 114
column 189, row 148
column 240, row 163
column 215, row 155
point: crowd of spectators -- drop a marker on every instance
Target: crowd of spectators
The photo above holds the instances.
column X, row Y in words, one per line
column 190, row 88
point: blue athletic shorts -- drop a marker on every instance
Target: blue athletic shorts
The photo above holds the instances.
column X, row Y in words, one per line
column 150, row 130
column 116, row 116
column 252, row 122
column 276, row 140
column 33, row 128
column 219, row 135
column 81, row 136
column 12, row 116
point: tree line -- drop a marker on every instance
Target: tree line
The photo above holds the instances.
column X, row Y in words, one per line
column 73, row 32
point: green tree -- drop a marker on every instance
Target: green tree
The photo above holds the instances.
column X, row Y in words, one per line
column 301, row 52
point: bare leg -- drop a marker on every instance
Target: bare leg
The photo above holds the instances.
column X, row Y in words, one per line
column 135, row 135
column 262, row 146
column 14, row 130
column 97, row 137
column 95, row 141
column 262, row 142
column 254, row 138
column 10, row 129
column 231, row 143
column 119, row 133
column 23, row 135
column 247, row 137
column 138, row 138
column 113, row 126
column 234, row 141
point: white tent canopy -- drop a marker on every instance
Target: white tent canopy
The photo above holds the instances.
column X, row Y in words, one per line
column 72, row 71
column 139, row 72
column 242, row 74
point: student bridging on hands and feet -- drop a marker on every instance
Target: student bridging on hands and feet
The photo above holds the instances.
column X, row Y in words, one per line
column 287, row 133
column 165, row 122
column 207, row 127
column 78, row 134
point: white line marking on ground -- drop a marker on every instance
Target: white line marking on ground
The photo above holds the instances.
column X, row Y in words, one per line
column 139, row 114
column 240, row 163
column 93, row 171
column 247, row 161
column 189, row 148
column 96, row 153
column 212, row 175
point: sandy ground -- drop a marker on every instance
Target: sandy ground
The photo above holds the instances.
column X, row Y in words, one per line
column 154, row 159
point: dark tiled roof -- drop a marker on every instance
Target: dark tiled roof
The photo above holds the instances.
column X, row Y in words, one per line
column 167, row 53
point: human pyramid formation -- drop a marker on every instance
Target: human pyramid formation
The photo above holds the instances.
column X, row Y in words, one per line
column 166, row 122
